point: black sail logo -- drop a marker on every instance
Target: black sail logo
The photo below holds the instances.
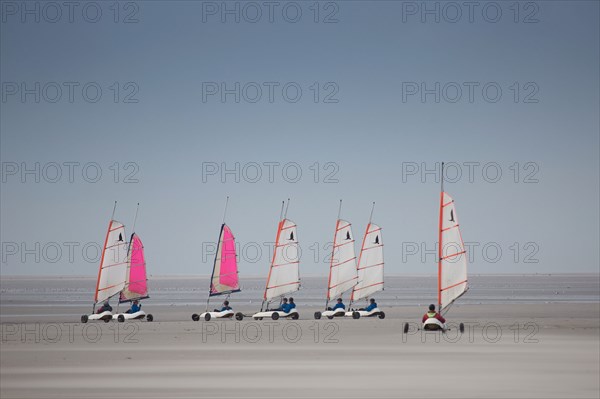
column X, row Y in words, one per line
column 452, row 215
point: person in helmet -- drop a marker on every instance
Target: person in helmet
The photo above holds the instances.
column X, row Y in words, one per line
column 225, row 307
column 338, row 305
column 372, row 305
column 287, row 307
column 284, row 305
column 135, row 307
column 105, row 307
column 433, row 314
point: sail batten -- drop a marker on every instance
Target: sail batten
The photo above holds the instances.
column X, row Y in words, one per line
column 452, row 264
column 370, row 264
column 284, row 274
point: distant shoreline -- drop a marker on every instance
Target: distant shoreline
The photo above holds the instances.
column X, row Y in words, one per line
column 205, row 276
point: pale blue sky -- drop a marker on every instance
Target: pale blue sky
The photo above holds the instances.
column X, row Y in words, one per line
column 368, row 133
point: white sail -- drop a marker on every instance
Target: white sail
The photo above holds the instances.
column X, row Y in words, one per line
column 452, row 268
column 370, row 264
column 113, row 264
column 342, row 270
column 284, row 275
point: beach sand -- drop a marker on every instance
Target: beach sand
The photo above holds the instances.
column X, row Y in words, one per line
column 508, row 351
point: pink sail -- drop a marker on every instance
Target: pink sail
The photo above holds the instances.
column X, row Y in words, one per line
column 225, row 272
column 136, row 285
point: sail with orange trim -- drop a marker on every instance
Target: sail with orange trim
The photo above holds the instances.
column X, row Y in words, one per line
column 342, row 267
column 284, row 273
column 370, row 264
column 113, row 263
column 452, row 265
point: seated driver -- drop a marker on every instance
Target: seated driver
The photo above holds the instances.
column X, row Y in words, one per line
column 372, row 305
column 135, row 307
column 225, row 307
column 432, row 314
column 105, row 308
column 338, row 305
column 287, row 307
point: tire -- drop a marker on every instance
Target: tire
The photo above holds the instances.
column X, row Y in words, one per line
column 149, row 318
column 318, row 315
column 239, row 316
column 461, row 328
column 120, row 318
column 381, row 315
column 330, row 317
column 195, row 317
column 84, row 318
column 107, row 320
column 405, row 329
column 207, row 316
column 275, row 316
column 355, row 315
column 295, row 316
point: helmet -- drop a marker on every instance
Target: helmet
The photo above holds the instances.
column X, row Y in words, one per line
column 432, row 307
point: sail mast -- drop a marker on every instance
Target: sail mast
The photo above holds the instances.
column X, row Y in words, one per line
column 225, row 211
column 135, row 218
column 440, row 240
column 286, row 209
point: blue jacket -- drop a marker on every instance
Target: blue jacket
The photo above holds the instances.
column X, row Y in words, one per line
column 135, row 308
column 286, row 307
column 339, row 306
column 370, row 307
column 224, row 308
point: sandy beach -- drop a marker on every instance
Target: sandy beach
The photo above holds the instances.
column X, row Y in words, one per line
column 508, row 350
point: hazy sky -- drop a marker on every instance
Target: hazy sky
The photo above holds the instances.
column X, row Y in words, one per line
column 183, row 91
